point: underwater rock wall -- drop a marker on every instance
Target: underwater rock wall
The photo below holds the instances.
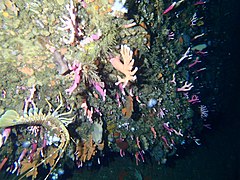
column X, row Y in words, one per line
column 114, row 77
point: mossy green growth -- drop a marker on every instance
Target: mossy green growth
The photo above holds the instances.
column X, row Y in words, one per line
column 9, row 118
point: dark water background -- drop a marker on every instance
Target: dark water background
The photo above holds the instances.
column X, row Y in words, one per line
column 218, row 156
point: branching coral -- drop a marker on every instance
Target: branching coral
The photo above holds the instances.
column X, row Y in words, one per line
column 85, row 150
column 125, row 67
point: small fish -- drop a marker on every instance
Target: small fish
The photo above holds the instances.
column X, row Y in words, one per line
column 61, row 64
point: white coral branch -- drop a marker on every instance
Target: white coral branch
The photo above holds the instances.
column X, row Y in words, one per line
column 70, row 24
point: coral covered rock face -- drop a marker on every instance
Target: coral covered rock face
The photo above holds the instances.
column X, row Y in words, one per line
column 84, row 78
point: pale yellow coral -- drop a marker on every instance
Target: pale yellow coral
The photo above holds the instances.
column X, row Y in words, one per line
column 126, row 66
